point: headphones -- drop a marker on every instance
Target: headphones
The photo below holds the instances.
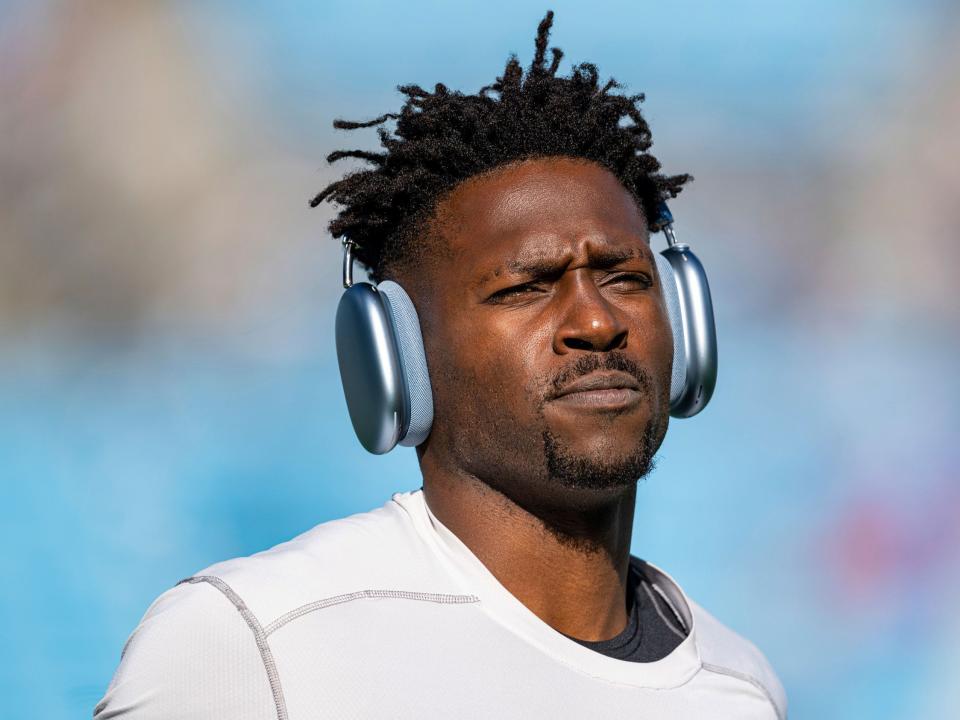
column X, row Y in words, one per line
column 383, row 366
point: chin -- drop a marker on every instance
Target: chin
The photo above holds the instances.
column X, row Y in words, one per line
column 601, row 466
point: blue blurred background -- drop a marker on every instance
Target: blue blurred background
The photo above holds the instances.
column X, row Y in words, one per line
column 168, row 387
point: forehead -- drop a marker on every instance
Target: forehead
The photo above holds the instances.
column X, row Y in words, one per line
column 538, row 209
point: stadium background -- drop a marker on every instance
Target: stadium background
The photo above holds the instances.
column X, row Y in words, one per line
column 168, row 388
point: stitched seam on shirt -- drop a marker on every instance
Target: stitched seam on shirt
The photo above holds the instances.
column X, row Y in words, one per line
column 363, row 594
column 747, row 678
column 656, row 606
column 259, row 635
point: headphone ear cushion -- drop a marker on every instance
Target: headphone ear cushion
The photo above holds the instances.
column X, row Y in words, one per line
column 671, row 296
column 413, row 361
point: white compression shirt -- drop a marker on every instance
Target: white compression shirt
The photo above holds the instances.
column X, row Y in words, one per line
column 386, row 614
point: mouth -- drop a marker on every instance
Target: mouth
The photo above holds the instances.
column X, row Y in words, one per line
column 601, row 390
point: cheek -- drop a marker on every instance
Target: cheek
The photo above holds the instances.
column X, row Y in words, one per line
column 491, row 364
column 505, row 354
column 660, row 339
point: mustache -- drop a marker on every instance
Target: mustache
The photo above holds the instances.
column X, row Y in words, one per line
column 586, row 364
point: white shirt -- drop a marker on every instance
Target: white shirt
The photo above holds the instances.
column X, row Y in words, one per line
column 386, row 614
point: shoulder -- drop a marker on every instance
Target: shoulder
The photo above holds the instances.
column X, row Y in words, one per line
column 173, row 664
column 724, row 651
column 376, row 550
column 165, row 666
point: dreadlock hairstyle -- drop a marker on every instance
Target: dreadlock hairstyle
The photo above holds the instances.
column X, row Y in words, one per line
column 445, row 137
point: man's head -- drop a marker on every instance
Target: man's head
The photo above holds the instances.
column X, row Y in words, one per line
column 519, row 224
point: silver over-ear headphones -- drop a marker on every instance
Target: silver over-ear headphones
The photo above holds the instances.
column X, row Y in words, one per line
column 384, row 368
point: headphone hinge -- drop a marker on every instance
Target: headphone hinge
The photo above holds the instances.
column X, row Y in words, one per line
column 348, row 246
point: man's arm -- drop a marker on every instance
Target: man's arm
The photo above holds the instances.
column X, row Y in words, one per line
column 194, row 655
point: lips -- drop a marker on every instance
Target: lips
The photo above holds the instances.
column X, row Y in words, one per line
column 610, row 385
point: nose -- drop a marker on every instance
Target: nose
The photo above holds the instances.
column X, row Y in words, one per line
column 589, row 321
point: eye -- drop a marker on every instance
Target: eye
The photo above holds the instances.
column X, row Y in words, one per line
column 630, row 281
column 515, row 292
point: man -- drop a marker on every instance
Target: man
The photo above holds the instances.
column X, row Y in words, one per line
column 518, row 221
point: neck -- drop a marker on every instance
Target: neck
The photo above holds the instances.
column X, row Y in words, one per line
column 570, row 571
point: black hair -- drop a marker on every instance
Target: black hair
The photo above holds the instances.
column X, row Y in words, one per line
column 445, row 137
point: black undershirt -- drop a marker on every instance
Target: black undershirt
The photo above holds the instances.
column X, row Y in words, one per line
column 653, row 629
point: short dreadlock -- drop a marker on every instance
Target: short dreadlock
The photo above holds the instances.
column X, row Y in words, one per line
column 445, row 137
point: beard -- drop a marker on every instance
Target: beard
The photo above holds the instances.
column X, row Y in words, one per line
column 585, row 472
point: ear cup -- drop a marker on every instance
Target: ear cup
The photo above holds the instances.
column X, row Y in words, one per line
column 370, row 368
column 668, row 282
column 413, row 362
column 699, row 331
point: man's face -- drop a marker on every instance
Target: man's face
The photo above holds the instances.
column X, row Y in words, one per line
column 547, row 336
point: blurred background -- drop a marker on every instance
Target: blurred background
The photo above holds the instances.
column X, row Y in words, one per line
column 169, row 395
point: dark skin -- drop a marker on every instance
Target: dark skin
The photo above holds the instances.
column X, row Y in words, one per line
column 544, row 264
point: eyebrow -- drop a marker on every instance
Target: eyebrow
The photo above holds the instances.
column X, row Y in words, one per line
column 601, row 260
